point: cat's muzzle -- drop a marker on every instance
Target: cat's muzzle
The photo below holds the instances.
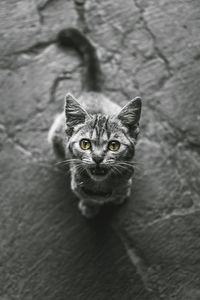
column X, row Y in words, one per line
column 98, row 172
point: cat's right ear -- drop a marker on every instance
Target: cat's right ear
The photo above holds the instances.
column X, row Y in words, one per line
column 74, row 113
column 130, row 113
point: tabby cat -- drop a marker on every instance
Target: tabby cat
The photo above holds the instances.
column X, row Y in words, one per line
column 96, row 134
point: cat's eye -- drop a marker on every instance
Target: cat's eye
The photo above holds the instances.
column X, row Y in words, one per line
column 113, row 145
column 85, row 144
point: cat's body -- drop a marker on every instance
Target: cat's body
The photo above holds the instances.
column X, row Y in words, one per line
column 97, row 135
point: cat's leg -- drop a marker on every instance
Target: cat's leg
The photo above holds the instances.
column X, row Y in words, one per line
column 121, row 198
column 88, row 211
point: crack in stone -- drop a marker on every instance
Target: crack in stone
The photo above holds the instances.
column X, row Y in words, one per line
column 34, row 49
column 22, row 149
column 157, row 49
column 153, row 287
column 138, row 262
column 80, row 9
column 181, row 212
column 193, row 146
column 188, row 144
column 19, row 146
column 79, row 2
column 44, row 4
column 9, row 59
column 197, row 56
column 64, row 76
column 41, row 17
column 55, row 84
column 29, row 154
column 40, row 7
column 179, row 134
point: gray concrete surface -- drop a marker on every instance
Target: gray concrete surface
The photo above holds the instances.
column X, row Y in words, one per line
column 150, row 247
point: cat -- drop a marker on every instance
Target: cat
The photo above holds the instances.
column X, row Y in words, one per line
column 96, row 134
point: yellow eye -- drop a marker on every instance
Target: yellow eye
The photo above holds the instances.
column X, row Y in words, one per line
column 113, row 145
column 85, row 144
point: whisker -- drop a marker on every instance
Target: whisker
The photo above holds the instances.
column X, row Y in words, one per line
column 68, row 161
column 116, row 170
column 129, row 166
column 138, row 162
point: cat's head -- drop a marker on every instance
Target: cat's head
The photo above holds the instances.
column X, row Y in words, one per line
column 103, row 145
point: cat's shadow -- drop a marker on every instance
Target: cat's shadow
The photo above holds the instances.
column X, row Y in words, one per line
column 87, row 249
column 77, row 256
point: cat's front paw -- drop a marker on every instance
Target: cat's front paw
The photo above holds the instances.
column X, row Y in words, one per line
column 88, row 211
column 120, row 201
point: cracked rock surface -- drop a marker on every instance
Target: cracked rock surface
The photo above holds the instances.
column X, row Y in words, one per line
column 150, row 247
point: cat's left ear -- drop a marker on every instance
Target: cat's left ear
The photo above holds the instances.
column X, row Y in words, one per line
column 130, row 113
column 74, row 113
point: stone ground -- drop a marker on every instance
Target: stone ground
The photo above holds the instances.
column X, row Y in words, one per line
column 150, row 247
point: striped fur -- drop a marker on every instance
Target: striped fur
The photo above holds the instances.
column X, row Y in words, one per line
column 99, row 120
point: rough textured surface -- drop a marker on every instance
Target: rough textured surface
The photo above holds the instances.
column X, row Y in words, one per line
column 148, row 248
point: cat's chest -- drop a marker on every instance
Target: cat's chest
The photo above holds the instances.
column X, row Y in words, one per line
column 104, row 187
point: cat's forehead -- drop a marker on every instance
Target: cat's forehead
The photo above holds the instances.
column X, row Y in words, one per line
column 102, row 127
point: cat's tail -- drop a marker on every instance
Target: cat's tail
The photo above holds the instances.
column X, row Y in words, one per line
column 92, row 77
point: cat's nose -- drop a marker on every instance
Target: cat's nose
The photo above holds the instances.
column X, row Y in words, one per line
column 97, row 158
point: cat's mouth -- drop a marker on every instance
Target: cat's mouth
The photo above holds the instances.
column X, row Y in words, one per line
column 98, row 173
